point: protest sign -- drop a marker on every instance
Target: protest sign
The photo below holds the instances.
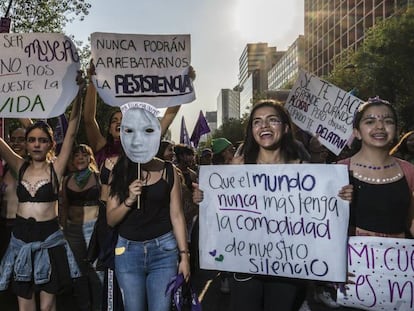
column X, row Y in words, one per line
column 278, row 220
column 38, row 75
column 383, row 270
column 147, row 68
column 319, row 107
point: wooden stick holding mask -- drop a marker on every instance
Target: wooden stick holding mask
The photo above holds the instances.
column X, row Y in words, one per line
column 140, row 133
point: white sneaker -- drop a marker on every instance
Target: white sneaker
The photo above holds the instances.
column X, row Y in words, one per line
column 323, row 296
column 305, row 306
column 225, row 286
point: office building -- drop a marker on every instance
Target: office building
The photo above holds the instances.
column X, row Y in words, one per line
column 287, row 68
column 333, row 27
column 228, row 106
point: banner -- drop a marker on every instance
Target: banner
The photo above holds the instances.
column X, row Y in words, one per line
column 319, row 107
column 184, row 137
column 200, row 129
column 148, row 68
column 383, row 270
column 38, row 75
column 278, row 220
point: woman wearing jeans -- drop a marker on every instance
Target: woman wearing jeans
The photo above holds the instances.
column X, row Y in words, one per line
column 148, row 213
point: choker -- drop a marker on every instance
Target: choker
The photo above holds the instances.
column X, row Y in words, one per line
column 377, row 180
column 373, row 167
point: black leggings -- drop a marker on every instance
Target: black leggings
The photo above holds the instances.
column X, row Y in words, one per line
column 260, row 293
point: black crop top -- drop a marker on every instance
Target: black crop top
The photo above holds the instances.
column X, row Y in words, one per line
column 42, row 191
column 380, row 208
column 87, row 197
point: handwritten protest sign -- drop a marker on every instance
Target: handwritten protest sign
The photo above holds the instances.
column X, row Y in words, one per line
column 279, row 220
column 38, row 74
column 148, row 68
column 384, row 274
column 319, row 107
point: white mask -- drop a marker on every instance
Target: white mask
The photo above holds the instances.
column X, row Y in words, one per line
column 140, row 131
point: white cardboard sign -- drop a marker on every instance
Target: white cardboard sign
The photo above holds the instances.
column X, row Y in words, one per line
column 38, row 74
column 383, row 270
column 319, row 107
column 277, row 220
column 146, row 68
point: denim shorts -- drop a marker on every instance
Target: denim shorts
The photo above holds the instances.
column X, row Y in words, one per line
column 144, row 269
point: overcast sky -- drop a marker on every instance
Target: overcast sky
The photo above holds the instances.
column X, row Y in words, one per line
column 219, row 29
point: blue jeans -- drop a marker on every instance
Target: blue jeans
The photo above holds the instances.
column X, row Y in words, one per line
column 144, row 269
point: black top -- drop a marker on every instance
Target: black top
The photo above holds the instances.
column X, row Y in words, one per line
column 153, row 218
column 42, row 191
column 87, row 197
column 380, row 208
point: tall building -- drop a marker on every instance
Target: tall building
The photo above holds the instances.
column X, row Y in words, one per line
column 254, row 64
column 287, row 68
column 333, row 27
column 228, row 106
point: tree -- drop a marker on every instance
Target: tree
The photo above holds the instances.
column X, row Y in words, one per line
column 43, row 15
column 232, row 129
column 384, row 65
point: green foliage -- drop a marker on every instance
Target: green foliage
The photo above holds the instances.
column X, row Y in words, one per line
column 384, row 65
column 233, row 130
column 44, row 15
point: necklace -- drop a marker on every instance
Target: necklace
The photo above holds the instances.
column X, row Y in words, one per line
column 377, row 180
column 373, row 167
column 82, row 177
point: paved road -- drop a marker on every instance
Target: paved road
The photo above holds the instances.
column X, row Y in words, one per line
column 206, row 283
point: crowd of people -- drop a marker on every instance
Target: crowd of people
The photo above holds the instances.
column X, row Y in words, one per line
column 92, row 223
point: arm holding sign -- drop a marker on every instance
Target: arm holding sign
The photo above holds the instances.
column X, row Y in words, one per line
column 95, row 138
column 73, row 126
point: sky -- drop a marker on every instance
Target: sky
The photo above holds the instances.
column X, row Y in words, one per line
column 219, row 29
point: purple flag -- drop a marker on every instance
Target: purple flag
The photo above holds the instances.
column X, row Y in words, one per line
column 184, row 138
column 200, row 129
column 60, row 131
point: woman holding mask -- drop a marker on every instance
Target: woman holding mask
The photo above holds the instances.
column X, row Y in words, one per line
column 148, row 211
column 107, row 150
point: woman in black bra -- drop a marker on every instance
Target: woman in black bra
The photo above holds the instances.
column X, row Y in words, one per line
column 80, row 208
column 38, row 258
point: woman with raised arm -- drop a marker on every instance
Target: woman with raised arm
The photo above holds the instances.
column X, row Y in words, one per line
column 38, row 258
column 78, row 214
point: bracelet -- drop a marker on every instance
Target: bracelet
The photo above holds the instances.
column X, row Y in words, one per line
column 129, row 206
column 184, row 252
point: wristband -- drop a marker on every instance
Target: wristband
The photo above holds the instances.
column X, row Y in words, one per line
column 129, row 206
column 184, row 252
